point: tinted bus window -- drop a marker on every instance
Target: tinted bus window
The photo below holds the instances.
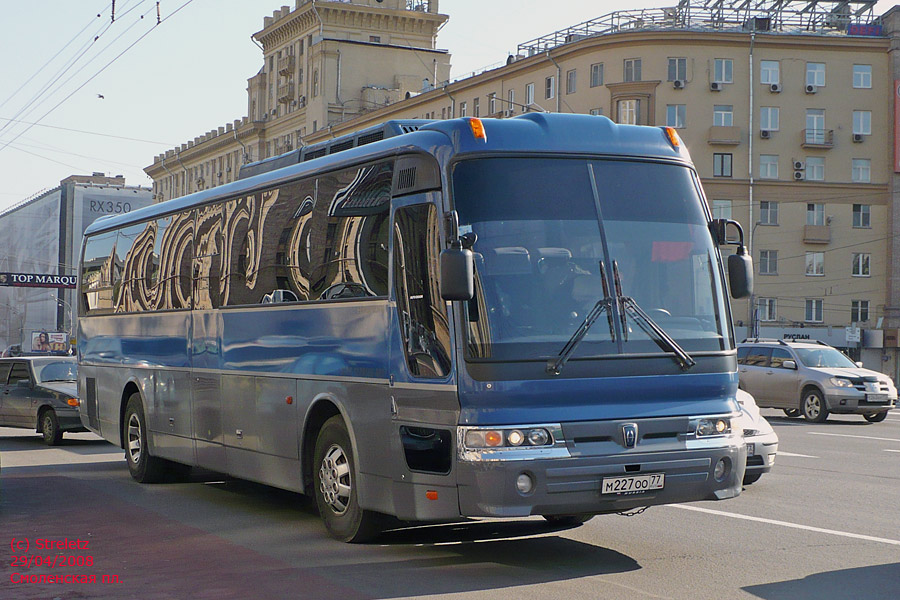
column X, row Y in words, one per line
column 98, row 272
column 422, row 313
column 208, row 284
column 132, row 248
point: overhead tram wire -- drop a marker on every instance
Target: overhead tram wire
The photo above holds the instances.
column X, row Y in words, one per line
column 61, row 102
column 46, row 64
column 108, row 135
column 43, row 92
column 41, row 95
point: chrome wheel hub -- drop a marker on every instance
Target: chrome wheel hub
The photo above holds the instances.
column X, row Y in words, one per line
column 812, row 406
column 334, row 479
column 134, row 439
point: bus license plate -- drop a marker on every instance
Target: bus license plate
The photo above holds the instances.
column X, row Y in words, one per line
column 633, row 484
column 876, row 397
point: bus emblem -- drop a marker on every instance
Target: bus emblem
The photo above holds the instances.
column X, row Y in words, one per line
column 629, row 434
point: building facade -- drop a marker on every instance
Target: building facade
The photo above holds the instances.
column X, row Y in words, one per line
column 788, row 112
column 42, row 236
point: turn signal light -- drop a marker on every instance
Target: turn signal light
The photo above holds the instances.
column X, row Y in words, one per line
column 72, row 402
column 673, row 136
column 478, row 129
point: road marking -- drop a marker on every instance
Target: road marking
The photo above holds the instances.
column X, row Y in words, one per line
column 846, row 534
column 861, row 437
column 782, row 453
column 889, row 450
column 22, row 459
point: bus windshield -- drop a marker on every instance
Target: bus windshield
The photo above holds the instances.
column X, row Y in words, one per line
column 545, row 226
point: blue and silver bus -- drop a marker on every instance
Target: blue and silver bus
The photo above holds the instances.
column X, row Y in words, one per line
column 429, row 320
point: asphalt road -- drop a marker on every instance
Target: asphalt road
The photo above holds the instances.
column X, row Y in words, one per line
column 824, row 524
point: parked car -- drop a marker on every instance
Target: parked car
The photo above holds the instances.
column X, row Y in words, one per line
column 761, row 439
column 812, row 379
column 40, row 393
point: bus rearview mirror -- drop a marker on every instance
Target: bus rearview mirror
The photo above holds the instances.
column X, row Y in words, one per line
column 457, row 274
column 740, row 274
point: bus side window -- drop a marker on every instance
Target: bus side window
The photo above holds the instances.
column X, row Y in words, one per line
column 422, row 313
column 208, row 258
column 97, row 270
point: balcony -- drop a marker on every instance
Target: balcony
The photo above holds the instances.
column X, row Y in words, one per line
column 724, row 136
column 285, row 92
column 286, row 65
column 817, row 234
column 817, row 138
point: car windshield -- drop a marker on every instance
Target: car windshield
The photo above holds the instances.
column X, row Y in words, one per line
column 541, row 242
column 824, row 357
column 57, row 370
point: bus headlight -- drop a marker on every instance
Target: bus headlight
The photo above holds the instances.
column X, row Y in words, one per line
column 511, row 443
column 506, row 438
column 715, row 426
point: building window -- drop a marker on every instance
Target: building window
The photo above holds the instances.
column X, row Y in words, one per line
column 861, row 171
column 511, row 101
column 375, row 39
column 815, row 74
column 571, row 80
column 529, row 94
column 629, row 112
column 315, row 90
column 768, row 166
column 549, row 87
column 815, row 168
column 768, row 262
column 766, row 308
column 723, row 115
column 768, row 213
column 596, row 112
column 815, row 213
column 859, row 311
column 862, row 76
column 768, row 118
column 492, row 104
column 815, row 126
column 721, row 209
column 443, row 113
column 768, row 71
column 677, row 69
column 862, row 216
column 861, row 264
column 814, row 310
column 463, row 109
column 723, row 70
column 596, row 74
column 632, row 69
column 815, row 264
column 862, row 122
column 721, row 165
column 476, row 108
column 675, row 114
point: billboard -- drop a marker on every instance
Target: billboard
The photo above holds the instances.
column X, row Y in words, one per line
column 49, row 341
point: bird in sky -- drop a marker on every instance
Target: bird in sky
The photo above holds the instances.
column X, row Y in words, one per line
column 100, row 96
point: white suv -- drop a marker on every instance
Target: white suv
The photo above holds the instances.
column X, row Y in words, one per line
column 812, row 379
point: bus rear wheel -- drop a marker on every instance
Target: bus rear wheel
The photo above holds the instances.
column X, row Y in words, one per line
column 143, row 467
column 335, row 487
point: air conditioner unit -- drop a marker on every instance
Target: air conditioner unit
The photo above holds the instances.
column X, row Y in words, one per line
column 858, row 138
column 775, row 88
column 811, row 89
column 798, row 166
column 219, row 174
column 799, row 176
column 765, row 134
column 678, row 84
column 715, row 86
column 274, row 112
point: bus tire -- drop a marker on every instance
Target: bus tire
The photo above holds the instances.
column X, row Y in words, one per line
column 335, row 487
column 143, row 467
column 568, row 520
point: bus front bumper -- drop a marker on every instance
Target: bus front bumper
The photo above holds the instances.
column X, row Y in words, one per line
column 576, row 485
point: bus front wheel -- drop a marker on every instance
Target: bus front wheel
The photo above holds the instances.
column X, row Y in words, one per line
column 143, row 467
column 336, row 487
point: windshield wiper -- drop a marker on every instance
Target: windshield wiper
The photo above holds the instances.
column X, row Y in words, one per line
column 604, row 304
column 627, row 305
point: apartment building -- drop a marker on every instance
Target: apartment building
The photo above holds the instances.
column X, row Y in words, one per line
column 787, row 109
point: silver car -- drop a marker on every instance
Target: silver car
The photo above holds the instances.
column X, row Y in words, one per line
column 39, row 393
column 812, row 379
column 761, row 439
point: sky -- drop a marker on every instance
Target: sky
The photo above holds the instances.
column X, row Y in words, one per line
column 80, row 93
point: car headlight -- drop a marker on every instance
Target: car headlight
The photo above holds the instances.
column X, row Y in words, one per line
column 840, row 382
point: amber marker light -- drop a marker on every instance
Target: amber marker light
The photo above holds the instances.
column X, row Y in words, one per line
column 431, row 494
column 673, row 136
column 493, row 439
column 72, row 402
column 478, row 129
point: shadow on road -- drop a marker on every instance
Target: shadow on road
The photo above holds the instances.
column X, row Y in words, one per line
column 879, row 582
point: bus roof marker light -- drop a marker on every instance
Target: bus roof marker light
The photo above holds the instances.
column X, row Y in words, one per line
column 673, row 137
column 477, row 129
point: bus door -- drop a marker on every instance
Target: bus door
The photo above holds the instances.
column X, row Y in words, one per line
column 425, row 406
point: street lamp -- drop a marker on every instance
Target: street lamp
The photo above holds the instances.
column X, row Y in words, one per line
column 71, row 312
